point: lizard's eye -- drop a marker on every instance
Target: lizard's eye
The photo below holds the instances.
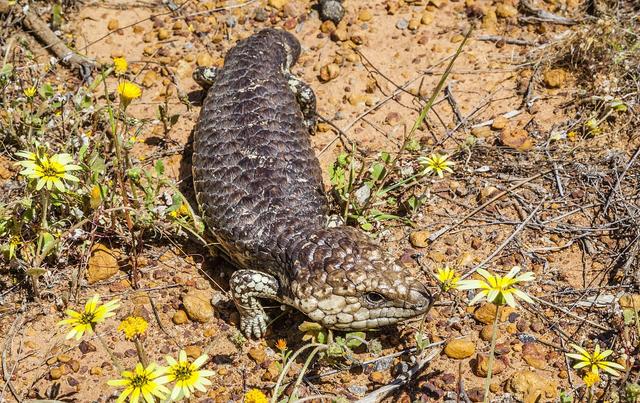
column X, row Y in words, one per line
column 374, row 298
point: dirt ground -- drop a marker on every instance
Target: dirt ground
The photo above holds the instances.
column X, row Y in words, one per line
column 505, row 100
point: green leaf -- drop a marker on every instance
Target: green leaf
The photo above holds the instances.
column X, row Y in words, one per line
column 46, row 90
column 159, row 167
column 134, row 173
column 385, row 157
column 377, row 171
column 629, row 316
column 354, row 339
column 36, row 272
column 6, row 71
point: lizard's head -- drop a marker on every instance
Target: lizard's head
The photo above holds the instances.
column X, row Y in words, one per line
column 359, row 288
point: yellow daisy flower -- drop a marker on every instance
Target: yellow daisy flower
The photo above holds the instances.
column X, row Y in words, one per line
column 133, row 326
column 255, row 396
column 595, row 361
column 94, row 313
column 590, row 379
column 120, row 65
column 498, row 289
column 186, row 375
column 49, row 171
column 30, row 92
column 142, row 382
column 448, row 278
column 128, row 91
column 436, row 164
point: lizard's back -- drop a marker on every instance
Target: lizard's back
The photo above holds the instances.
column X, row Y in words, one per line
column 255, row 174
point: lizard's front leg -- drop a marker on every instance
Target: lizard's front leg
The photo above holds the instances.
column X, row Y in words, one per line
column 306, row 99
column 246, row 287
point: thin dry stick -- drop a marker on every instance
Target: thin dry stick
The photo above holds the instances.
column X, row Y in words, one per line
column 7, row 346
column 442, row 231
column 41, row 30
column 619, row 181
column 573, row 315
column 506, row 241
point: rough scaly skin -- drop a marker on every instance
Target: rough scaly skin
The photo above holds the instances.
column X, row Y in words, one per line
column 259, row 187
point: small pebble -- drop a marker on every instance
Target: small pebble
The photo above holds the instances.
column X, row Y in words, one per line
column 331, row 10
column 55, row 373
column 402, row 24
column 180, row 317
column 113, row 24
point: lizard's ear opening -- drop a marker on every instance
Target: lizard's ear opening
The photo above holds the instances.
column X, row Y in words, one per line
column 374, row 298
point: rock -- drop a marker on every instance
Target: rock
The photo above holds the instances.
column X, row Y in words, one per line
column 55, row 373
column 487, row 332
column 554, row 78
column 414, row 24
column 481, row 132
column 339, row 35
column 277, row 4
column 476, row 394
column 630, row 301
column 113, row 24
column 96, row 371
column 485, row 314
column 327, row 27
column 419, row 239
column 74, row 365
column 150, row 77
column 426, row 18
column 64, row 358
column 197, row 305
column 365, row 15
column 163, row 34
column 193, row 351
column 481, row 366
column 376, row 377
column 517, row 139
column 534, row 355
column 103, row 264
column 180, row 317
column 260, row 14
column 499, row 123
column 329, row 72
column 532, row 387
column 86, row 347
column 204, row 60
column 258, row 355
column 459, row 348
column 487, row 193
column 272, row 372
column 402, row 24
column 505, row 10
column 331, row 10
column 393, row 118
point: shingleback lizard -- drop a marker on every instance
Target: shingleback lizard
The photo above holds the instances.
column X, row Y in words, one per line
column 259, row 187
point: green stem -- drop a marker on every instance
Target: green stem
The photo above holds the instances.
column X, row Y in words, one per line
column 304, row 369
column 494, row 336
column 141, row 353
column 276, row 389
column 45, row 209
column 114, row 360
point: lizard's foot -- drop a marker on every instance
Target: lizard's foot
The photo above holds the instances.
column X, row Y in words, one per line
column 306, row 99
column 205, row 76
column 254, row 326
column 246, row 287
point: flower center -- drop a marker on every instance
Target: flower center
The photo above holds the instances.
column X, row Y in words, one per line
column 182, row 372
column 87, row 318
column 139, row 380
column 51, row 169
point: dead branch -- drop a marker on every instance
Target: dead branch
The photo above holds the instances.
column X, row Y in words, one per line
column 537, row 15
column 40, row 29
